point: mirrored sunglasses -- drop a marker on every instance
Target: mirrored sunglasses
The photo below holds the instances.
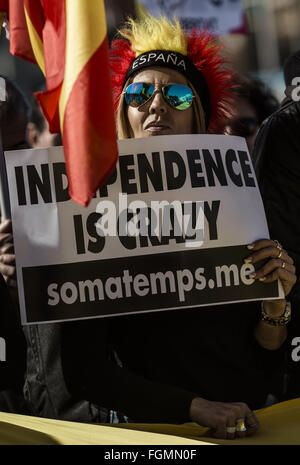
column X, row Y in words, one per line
column 176, row 95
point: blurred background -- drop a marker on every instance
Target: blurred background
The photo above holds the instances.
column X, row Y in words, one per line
column 268, row 31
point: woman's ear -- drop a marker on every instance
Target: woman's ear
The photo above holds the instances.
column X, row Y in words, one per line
column 32, row 135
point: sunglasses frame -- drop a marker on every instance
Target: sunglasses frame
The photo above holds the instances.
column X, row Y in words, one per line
column 164, row 96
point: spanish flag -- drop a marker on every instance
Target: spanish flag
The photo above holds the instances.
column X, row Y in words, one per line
column 68, row 40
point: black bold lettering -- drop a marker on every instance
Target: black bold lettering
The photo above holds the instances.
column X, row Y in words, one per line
column 37, row 184
column 174, row 159
column 195, row 167
column 97, row 245
column 152, row 172
column 214, row 168
column 246, row 168
column 211, row 214
column 20, row 185
column 79, row 235
column 230, row 158
column 59, row 173
column 127, row 174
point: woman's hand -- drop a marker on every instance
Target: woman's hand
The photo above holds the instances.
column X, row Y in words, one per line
column 7, row 255
column 279, row 266
column 225, row 419
column 7, row 259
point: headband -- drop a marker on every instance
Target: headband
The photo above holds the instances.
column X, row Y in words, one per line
column 178, row 62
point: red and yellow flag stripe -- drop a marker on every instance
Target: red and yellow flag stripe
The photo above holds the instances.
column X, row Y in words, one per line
column 68, row 40
column 87, row 85
column 35, row 21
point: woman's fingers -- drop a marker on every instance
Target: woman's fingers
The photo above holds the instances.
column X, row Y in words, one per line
column 7, row 248
column 220, row 431
column 225, row 420
column 237, row 422
column 251, row 423
column 6, row 227
column 227, row 424
column 7, row 256
column 266, row 249
column 279, row 266
column 8, row 268
column 262, row 243
column 230, row 429
column 272, row 272
column 8, row 259
column 5, row 238
column 241, row 423
column 275, row 269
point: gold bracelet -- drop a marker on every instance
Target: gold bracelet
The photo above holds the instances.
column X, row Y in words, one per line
column 283, row 320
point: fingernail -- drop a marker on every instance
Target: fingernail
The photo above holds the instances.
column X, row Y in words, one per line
column 250, row 246
column 262, row 279
column 248, row 260
column 252, row 275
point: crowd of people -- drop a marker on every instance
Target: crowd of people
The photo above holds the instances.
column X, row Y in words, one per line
column 214, row 366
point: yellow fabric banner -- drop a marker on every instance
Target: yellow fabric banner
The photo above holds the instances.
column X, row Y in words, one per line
column 279, row 424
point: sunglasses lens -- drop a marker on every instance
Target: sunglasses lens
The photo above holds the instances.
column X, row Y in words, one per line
column 138, row 93
column 178, row 96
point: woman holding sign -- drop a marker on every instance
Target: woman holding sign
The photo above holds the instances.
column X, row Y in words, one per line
column 210, row 365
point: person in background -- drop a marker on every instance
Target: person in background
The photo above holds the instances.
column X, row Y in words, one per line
column 40, row 389
column 276, row 159
column 253, row 102
column 14, row 110
column 291, row 75
column 37, row 131
column 277, row 164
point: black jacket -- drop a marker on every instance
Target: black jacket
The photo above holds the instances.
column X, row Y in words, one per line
column 45, row 389
column 169, row 358
column 13, row 355
column 277, row 164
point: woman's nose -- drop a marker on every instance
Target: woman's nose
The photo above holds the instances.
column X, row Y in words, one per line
column 158, row 103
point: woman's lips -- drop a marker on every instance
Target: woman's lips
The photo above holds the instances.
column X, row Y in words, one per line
column 157, row 127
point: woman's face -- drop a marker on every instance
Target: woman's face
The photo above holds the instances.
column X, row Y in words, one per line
column 244, row 122
column 156, row 117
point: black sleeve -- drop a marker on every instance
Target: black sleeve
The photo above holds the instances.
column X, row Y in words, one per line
column 279, row 182
column 13, row 345
column 90, row 374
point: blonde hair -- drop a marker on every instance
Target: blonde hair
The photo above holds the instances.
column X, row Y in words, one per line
column 149, row 33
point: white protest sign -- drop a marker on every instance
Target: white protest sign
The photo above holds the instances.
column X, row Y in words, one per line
column 218, row 16
column 168, row 230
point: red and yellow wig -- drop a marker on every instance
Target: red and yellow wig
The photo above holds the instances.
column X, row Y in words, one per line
column 206, row 66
